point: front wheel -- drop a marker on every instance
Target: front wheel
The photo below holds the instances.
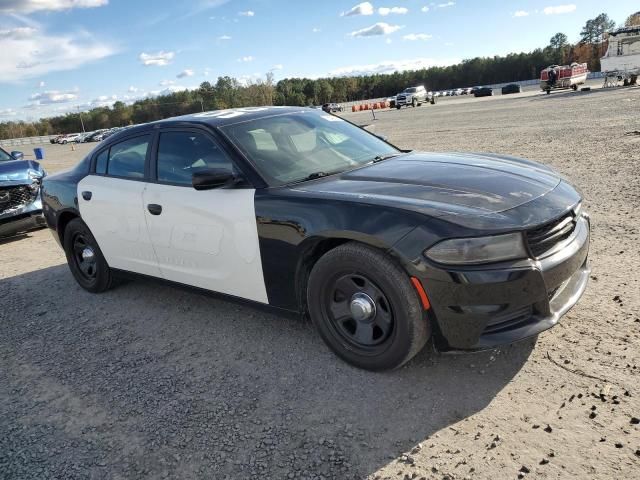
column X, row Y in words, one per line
column 86, row 262
column 398, row 107
column 414, row 102
column 365, row 308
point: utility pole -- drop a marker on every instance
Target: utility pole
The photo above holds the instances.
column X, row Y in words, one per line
column 81, row 122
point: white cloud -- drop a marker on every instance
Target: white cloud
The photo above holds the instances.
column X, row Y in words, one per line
column 277, row 66
column 392, row 66
column 424, row 9
column 186, row 73
column 224, row 37
column 417, row 36
column 560, row 9
column 132, row 89
column 29, row 52
column 159, row 59
column 445, row 5
column 248, row 58
column 248, row 13
column 364, row 8
column 28, row 6
column 53, row 96
column 521, row 13
column 316, row 30
column 41, row 84
column 164, row 83
column 103, row 101
column 8, row 112
column 384, row 11
column 380, row 28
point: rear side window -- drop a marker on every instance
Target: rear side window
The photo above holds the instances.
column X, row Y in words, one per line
column 125, row 159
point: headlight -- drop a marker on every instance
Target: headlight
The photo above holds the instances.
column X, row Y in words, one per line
column 470, row 251
column 35, row 175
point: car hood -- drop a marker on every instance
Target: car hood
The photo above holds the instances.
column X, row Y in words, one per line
column 16, row 171
column 445, row 184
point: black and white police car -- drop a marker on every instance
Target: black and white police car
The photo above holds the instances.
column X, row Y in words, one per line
column 294, row 208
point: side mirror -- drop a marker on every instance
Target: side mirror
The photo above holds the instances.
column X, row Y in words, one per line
column 212, row 178
column 17, row 155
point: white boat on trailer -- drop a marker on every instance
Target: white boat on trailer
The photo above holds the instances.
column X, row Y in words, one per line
column 621, row 63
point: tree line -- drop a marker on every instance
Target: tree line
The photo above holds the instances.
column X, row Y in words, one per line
column 228, row 92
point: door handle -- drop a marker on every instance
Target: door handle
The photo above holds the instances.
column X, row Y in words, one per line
column 154, row 209
column 87, row 195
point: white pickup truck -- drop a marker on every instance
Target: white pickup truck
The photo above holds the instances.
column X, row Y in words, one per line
column 414, row 96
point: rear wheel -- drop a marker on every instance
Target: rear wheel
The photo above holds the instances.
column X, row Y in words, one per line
column 574, row 87
column 365, row 308
column 86, row 262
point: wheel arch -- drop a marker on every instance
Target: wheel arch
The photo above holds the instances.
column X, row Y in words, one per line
column 313, row 248
column 63, row 220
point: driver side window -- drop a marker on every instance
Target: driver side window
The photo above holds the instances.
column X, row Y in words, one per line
column 181, row 154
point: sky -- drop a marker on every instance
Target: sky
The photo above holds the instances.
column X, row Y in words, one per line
column 58, row 56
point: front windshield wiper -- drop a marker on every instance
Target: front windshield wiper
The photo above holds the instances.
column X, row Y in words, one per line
column 380, row 158
column 314, row 175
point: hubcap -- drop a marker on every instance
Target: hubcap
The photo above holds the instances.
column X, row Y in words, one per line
column 87, row 254
column 362, row 307
column 359, row 312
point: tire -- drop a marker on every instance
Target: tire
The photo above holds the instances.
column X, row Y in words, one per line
column 397, row 328
column 398, row 107
column 574, row 87
column 414, row 103
column 433, row 101
column 64, row 142
column 92, row 273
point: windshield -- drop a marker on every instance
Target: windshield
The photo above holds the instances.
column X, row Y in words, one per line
column 298, row 146
column 4, row 156
column 410, row 90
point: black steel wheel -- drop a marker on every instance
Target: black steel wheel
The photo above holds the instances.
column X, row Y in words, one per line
column 358, row 311
column 365, row 307
column 86, row 262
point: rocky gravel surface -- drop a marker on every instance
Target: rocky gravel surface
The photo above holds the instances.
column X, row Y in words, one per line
column 149, row 381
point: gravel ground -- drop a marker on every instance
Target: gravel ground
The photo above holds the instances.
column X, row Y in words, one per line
column 152, row 381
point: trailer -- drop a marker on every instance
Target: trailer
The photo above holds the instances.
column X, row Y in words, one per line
column 562, row 77
column 621, row 64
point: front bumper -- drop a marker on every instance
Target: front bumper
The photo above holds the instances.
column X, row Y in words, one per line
column 23, row 219
column 485, row 307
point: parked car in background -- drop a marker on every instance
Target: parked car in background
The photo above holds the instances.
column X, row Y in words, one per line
column 70, row 137
column 55, row 139
column 20, row 201
column 332, row 107
column 92, row 137
column 483, row 92
column 511, row 88
column 83, row 137
column 385, row 249
column 414, row 96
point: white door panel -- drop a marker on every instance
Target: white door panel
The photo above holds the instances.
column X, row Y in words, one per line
column 115, row 216
column 207, row 239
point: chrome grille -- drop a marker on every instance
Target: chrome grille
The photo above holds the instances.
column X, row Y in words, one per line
column 542, row 239
column 13, row 198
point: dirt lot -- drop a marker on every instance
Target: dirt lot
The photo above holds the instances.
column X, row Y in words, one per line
column 151, row 381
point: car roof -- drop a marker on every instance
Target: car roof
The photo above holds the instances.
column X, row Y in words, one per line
column 214, row 118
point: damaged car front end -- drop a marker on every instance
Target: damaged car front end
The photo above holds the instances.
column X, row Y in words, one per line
column 20, row 200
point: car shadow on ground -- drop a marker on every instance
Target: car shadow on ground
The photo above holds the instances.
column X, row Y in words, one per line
column 148, row 380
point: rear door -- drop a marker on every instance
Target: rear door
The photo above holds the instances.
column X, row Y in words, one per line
column 202, row 238
column 110, row 202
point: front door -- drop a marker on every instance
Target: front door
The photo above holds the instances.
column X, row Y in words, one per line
column 110, row 202
column 205, row 238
